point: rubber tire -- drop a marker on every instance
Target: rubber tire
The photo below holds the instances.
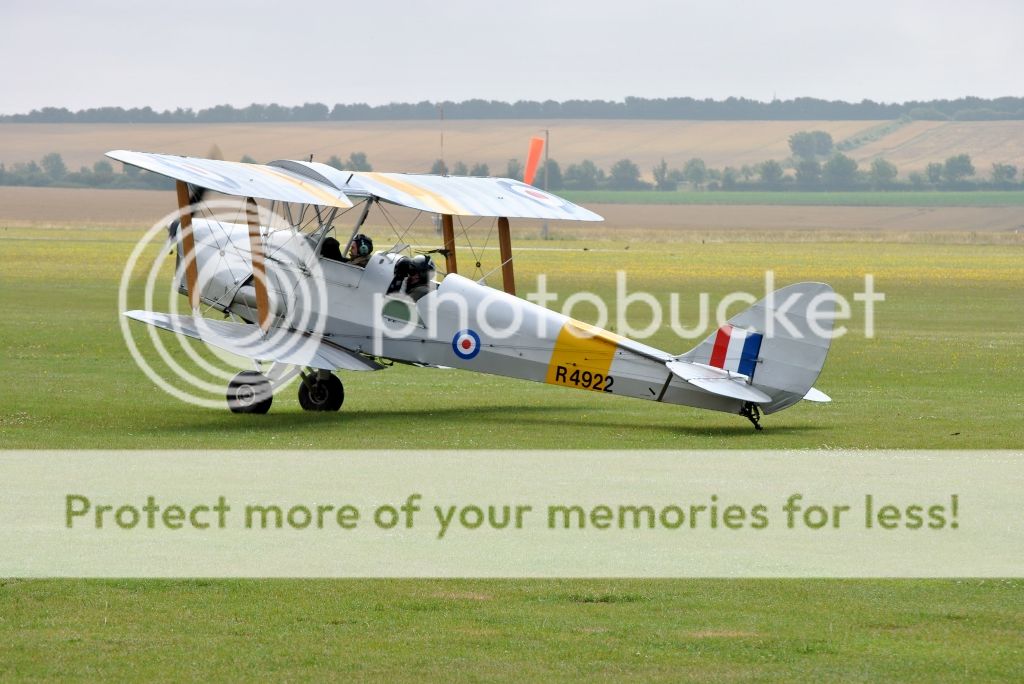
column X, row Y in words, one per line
column 324, row 395
column 247, row 386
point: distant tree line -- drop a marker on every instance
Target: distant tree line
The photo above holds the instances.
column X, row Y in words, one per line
column 816, row 164
column 683, row 108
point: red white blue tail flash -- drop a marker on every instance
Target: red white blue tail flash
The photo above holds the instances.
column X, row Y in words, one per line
column 736, row 349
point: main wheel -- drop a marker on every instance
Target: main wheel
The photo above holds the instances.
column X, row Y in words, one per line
column 250, row 392
column 321, row 393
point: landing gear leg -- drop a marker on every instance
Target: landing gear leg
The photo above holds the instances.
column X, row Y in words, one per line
column 752, row 412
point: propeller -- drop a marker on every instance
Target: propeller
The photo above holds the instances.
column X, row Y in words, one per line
column 533, row 159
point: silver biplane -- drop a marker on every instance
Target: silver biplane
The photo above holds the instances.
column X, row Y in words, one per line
column 292, row 300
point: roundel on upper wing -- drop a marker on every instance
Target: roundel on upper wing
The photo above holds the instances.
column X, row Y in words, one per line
column 531, row 193
column 466, row 344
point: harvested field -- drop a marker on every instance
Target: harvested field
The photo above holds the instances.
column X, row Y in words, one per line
column 129, row 208
column 413, row 145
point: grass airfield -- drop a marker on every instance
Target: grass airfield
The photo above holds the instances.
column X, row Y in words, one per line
column 941, row 373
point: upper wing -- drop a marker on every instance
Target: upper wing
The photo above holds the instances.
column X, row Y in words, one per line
column 235, row 178
column 456, row 195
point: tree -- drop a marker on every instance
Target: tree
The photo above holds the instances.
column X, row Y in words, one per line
column 103, row 172
column 357, row 162
column 54, row 167
column 583, row 176
column 839, row 171
column 882, row 173
column 822, row 143
column 747, row 171
column 439, row 168
column 625, row 175
column 917, row 179
column 957, row 168
column 662, row 181
column 729, row 178
column 514, row 170
column 480, row 170
column 335, row 161
column 695, row 172
column 554, row 177
column 934, row 173
column 808, row 173
column 1001, row 173
column 246, row 159
column 460, row 169
column 770, row 172
column 801, row 144
column 810, row 144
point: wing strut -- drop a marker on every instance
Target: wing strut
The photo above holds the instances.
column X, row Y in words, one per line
column 508, row 277
column 448, row 234
column 259, row 267
column 188, row 244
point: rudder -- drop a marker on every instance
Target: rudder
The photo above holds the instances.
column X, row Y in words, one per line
column 775, row 343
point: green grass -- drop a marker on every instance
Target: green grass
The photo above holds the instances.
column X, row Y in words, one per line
column 710, row 630
column 980, row 198
column 938, row 375
column 943, row 373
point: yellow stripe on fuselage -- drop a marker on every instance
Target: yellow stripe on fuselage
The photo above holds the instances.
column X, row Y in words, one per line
column 582, row 357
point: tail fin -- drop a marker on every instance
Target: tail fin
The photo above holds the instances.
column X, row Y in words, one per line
column 776, row 343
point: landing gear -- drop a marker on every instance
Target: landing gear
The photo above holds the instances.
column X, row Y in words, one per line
column 321, row 391
column 752, row 412
column 250, row 392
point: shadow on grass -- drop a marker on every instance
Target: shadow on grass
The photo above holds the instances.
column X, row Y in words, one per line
column 385, row 421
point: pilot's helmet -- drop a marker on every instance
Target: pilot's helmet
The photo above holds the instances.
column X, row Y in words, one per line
column 362, row 245
column 422, row 264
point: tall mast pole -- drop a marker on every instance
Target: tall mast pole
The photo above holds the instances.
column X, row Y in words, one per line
column 544, row 230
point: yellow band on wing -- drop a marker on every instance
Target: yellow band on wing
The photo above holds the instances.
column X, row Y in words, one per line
column 329, row 198
column 438, row 203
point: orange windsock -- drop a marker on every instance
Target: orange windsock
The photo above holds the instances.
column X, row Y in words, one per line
column 533, row 159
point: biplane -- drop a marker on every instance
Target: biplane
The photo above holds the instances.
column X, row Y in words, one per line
column 290, row 301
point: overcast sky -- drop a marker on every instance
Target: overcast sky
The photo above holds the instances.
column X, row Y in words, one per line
column 197, row 54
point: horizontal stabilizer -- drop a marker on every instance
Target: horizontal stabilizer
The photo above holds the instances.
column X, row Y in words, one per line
column 246, row 339
column 717, row 381
column 238, row 179
column 817, row 396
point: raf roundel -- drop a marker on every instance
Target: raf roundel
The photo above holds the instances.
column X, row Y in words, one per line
column 466, row 344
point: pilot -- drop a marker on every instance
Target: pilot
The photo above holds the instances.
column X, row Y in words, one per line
column 331, row 249
column 416, row 274
column 360, row 250
column 421, row 276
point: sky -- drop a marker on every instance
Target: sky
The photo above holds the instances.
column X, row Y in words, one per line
column 199, row 54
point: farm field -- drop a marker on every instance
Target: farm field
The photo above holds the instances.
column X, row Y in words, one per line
column 941, row 374
column 412, row 146
column 137, row 209
column 803, row 199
